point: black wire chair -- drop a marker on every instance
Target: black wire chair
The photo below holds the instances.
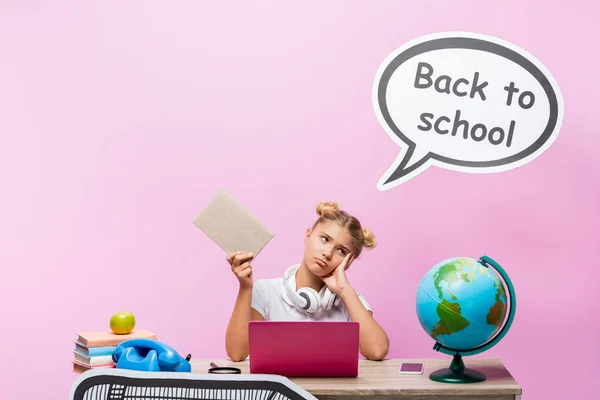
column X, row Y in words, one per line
column 123, row 384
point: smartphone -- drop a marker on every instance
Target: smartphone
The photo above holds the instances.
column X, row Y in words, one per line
column 411, row 368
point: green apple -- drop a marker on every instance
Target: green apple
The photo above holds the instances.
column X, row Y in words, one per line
column 122, row 323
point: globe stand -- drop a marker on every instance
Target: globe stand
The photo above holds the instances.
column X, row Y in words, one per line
column 457, row 373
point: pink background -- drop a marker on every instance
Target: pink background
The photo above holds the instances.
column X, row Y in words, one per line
column 121, row 120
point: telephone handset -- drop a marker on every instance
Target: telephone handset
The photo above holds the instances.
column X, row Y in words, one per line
column 144, row 354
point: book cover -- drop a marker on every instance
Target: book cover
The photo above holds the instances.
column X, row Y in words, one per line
column 231, row 226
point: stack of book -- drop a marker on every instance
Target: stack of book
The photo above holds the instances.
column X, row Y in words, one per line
column 95, row 349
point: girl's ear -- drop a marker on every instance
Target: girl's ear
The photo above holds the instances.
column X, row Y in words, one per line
column 306, row 235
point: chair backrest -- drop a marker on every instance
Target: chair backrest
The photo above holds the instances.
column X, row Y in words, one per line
column 123, row 384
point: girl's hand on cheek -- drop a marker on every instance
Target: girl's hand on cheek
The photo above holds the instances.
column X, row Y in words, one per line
column 337, row 281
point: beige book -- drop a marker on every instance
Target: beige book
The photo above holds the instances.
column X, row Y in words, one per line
column 231, row 226
column 97, row 339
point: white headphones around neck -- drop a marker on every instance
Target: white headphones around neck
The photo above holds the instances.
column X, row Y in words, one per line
column 307, row 299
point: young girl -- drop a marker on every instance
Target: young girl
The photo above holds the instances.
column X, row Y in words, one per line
column 316, row 289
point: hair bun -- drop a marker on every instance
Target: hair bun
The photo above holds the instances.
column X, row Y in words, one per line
column 369, row 239
column 326, row 207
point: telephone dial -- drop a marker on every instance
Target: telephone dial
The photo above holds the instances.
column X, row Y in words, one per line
column 144, row 354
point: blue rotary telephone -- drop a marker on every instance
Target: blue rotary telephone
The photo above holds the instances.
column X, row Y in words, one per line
column 144, row 354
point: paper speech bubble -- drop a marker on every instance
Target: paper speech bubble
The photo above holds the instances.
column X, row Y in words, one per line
column 465, row 102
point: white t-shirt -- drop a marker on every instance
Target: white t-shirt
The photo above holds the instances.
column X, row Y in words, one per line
column 267, row 299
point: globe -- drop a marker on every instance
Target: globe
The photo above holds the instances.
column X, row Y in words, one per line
column 466, row 308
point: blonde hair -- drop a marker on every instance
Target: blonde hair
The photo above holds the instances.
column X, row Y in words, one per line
column 361, row 237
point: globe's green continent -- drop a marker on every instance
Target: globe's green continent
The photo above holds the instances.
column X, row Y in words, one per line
column 451, row 320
